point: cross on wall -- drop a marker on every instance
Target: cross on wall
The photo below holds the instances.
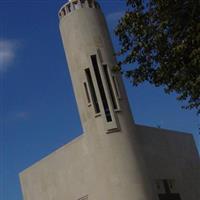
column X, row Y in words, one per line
column 168, row 194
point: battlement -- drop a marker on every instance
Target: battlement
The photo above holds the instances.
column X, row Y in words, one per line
column 75, row 5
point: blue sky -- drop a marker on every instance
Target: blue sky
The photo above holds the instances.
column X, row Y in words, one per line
column 38, row 113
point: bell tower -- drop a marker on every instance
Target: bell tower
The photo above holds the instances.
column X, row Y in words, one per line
column 101, row 98
column 99, row 92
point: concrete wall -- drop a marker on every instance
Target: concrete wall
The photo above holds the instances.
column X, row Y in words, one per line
column 83, row 168
column 171, row 155
column 99, row 167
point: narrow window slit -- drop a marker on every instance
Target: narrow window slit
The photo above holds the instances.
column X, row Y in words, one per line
column 92, row 91
column 63, row 12
column 69, row 8
column 101, row 88
column 90, row 3
column 87, row 93
column 105, row 67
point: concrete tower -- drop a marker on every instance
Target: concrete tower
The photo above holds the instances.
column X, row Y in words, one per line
column 102, row 102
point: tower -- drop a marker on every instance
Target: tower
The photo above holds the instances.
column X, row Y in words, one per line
column 90, row 56
column 101, row 98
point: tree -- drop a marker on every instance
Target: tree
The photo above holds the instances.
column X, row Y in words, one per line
column 161, row 38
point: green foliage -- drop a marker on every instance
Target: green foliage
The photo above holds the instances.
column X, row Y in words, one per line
column 162, row 37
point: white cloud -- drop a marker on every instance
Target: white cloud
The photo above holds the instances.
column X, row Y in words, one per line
column 8, row 50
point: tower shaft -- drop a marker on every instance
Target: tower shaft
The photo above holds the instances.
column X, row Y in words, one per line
column 99, row 92
column 101, row 98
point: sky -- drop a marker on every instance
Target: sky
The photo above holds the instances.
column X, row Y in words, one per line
column 38, row 112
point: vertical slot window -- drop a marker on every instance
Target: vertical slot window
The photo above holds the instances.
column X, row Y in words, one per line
column 96, row 5
column 82, row 3
column 92, row 91
column 69, row 8
column 75, row 4
column 87, row 93
column 105, row 67
column 101, row 88
column 90, row 3
column 63, row 12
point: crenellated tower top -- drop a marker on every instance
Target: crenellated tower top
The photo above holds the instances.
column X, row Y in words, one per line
column 73, row 5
